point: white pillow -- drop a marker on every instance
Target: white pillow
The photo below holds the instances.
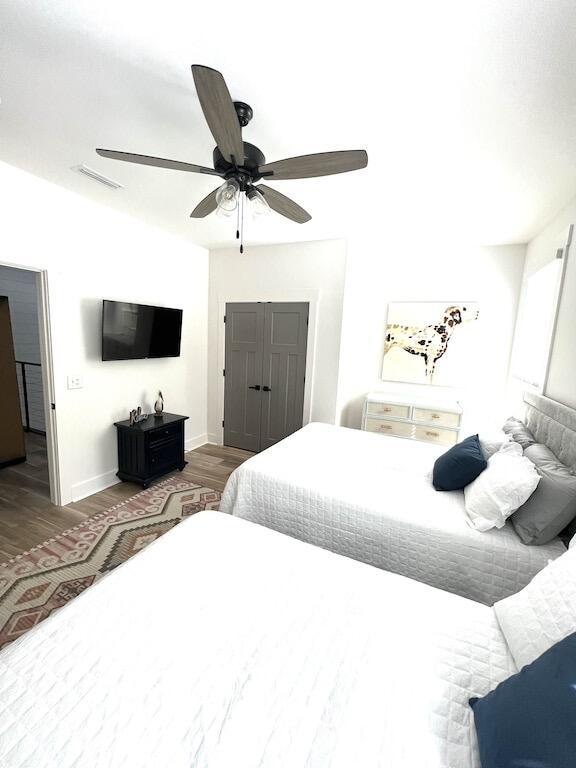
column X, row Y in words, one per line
column 511, row 447
column 491, row 442
column 541, row 614
column 507, row 482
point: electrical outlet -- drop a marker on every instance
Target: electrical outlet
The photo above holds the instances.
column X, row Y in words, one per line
column 75, row 382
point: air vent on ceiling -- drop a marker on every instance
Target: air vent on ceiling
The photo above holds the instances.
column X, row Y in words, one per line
column 95, row 176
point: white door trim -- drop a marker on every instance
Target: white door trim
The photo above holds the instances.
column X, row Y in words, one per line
column 45, row 336
column 45, row 331
column 312, row 298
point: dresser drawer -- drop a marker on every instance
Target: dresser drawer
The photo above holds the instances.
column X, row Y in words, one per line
column 439, row 418
column 387, row 409
column 397, row 428
column 436, row 435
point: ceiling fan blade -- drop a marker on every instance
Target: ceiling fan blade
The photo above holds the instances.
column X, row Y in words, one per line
column 321, row 164
column 158, row 162
column 205, row 206
column 282, row 204
column 219, row 112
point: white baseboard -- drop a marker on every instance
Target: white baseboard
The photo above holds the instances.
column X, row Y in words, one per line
column 93, row 485
column 214, row 439
column 195, row 442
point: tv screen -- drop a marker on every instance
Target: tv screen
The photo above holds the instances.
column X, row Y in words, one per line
column 137, row 331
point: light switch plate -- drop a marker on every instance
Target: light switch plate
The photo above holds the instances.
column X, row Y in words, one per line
column 75, row 382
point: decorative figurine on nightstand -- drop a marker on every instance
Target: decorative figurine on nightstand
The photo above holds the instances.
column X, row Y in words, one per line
column 159, row 405
column 137, row 415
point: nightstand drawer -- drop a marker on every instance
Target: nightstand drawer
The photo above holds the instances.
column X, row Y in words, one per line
column 440, row 418
column 436, row 435
column 387, row 409
column 164, row 434
column 165, row 455
column 397, row 428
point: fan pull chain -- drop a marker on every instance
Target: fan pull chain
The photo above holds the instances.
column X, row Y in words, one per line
column 242, row 225
column 238, row 220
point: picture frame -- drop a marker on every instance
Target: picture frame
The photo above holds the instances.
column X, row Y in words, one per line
column 430, row 342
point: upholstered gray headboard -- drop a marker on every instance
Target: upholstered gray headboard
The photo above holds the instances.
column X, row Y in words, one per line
column 554, row 425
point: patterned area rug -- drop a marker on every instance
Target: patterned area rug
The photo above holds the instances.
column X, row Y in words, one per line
column 40, row 581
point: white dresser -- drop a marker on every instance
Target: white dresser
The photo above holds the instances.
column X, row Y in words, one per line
column 412, row 417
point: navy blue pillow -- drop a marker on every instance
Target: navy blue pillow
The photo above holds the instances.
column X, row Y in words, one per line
column 459, row 466
column 530, row 719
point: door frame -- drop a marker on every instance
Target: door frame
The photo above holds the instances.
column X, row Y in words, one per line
column 45, row 336
column 312, row 298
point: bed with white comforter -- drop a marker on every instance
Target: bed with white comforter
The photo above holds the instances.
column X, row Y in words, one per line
column 226, row 644
column 371, row 498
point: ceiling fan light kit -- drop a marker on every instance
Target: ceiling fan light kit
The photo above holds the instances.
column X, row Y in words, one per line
column 227, row 196
column 257, row 201
column 241, row 164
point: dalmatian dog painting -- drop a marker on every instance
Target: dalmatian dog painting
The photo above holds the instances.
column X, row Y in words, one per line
column 423, row 340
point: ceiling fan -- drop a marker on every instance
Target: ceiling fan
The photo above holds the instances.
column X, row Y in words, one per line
column 241, row 164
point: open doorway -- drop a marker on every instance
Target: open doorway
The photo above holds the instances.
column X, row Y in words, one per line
column 27, row 446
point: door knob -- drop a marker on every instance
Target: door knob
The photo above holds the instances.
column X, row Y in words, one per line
column 266, row 389
column 257, row 386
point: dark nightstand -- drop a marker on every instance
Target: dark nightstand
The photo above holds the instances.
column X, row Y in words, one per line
column 152, row 448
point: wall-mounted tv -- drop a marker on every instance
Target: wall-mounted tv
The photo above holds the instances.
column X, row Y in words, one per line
column 139, row 331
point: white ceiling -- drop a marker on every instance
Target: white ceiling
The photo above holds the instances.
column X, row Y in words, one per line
column 467, row 109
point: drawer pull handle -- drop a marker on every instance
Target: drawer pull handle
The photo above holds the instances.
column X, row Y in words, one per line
column 435, row 415
column 382, row 427
column 433, row 434
column 386, row 409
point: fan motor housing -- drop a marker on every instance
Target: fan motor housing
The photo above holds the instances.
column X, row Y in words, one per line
column 244, row 112
column 253, row 159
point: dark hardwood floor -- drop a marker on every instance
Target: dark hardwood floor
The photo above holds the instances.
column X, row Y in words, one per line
column 27, row 517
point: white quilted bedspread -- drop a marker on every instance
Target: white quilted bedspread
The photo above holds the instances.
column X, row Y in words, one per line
column 371, row 498
column 225, row 644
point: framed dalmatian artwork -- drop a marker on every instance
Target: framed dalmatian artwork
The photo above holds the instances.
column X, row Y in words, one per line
column 431, row 342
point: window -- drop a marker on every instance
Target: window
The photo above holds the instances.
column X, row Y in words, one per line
column 535, row 324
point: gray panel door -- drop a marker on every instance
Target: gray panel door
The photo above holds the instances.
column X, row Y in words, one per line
column 284, row 359
column 265, row 372
column 243, row 367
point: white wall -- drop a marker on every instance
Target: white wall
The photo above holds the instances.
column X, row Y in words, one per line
column 561, row 385
column 378, row 273
column 91, row 253
column 296, row 272
column 20, row 287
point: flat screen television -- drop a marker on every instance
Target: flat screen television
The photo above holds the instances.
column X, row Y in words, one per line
column 139, row 331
